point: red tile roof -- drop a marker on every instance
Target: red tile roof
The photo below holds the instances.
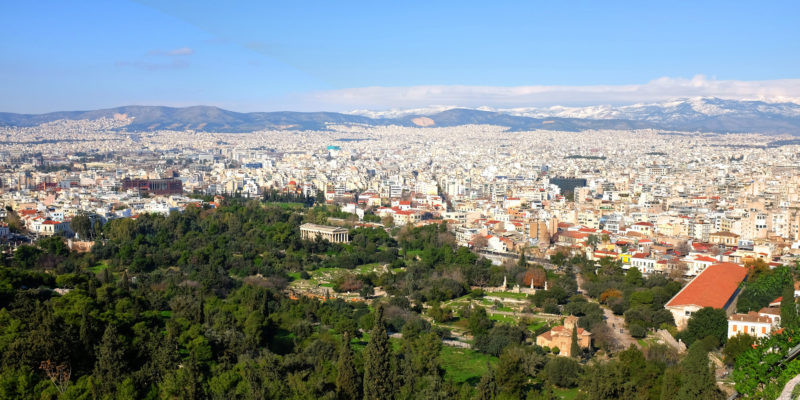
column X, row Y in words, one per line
column 575, row 235
column 714, row 287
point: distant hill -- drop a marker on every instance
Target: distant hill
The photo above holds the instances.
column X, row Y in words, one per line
column 203, row 118
column 696, row 114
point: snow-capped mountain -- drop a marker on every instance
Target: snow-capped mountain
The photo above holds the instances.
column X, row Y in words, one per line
column 688, row 114
column 675, row 110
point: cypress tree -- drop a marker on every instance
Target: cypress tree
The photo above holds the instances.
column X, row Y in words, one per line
column 110, row 361
column 574, row 349
column 697, row 376
column 487, row 387
column 789, row 317
column 672, row 384
column 348, row 383
column 377, row 362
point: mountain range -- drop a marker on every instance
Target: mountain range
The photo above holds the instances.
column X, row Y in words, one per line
column 692, row 114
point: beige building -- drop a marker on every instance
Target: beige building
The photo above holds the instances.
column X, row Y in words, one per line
column 561, row 337
column 332, row 234
column 724, row 238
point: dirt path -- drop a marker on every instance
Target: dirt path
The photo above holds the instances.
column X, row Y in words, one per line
column 616, row 323
column 621, row 335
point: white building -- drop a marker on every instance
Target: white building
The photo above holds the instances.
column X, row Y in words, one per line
column 752, row 323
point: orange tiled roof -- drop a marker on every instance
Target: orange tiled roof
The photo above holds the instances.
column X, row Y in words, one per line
column 712, row 288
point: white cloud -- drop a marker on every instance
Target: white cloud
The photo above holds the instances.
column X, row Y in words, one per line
column 377, row 98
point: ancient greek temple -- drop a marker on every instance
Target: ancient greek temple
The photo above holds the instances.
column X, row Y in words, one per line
column 332, row 233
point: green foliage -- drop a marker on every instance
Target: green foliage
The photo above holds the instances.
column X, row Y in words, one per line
column 789, row 316
column 695, row 378
column 498, row 338
column 628, row 376
column 478, row 321
column 736, row 346
column 764, row 287
column 574, row 348
column 348, row 381
column 706, row 322
column 563, row 372
column 760, row 373
column 378, row 379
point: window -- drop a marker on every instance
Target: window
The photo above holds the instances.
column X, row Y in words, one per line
column 763, row 329
column 734, row 327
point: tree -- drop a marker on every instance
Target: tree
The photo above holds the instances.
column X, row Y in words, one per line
column 706, row 322
column 522, row 262
column 82, row 225
column 671, row 385
column 378, row 362
column 479, row 322
column 736, row 346
column 510, row 373
column 479, row 242
column 487, row 387
column 634, row 277
column 574, row 348
column 592, row 241
column 562, row 371
column 110, row 361
column 58, row 373
column 348, row 382
column 789, row 317
column 697, row 376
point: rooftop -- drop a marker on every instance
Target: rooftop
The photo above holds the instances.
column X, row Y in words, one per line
column 714, row 287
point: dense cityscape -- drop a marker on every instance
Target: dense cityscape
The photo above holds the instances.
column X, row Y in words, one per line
column 566, row 251
column 411, row 200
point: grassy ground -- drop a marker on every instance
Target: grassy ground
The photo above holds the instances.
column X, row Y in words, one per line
column 537, row 325
column 295, row 276
column 503, row 318
column 100, row 266
column 567, row 394
column 508, row 295
column 413, row 253
column 367, row 268
column 465, row 365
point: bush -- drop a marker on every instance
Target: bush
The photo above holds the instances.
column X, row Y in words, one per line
column 551, row 307
column 637, row 330
column 736, row 346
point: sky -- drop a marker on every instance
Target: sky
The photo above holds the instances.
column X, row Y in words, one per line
column 347, row 55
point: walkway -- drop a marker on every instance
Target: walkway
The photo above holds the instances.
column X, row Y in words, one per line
column 786, row 394
column 615, row 323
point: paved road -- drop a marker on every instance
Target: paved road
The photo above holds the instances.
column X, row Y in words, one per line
column 786, row 394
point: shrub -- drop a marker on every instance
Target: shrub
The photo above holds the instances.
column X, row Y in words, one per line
column 637, row 331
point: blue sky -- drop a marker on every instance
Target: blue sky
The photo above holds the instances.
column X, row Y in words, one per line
column 343, row 55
